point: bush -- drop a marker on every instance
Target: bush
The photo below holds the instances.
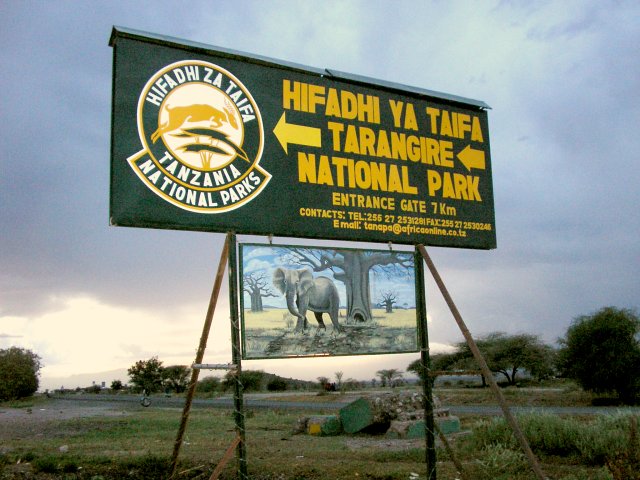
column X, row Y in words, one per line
column 251, row 380
column 149, row 467
column 93, row 389
column 602, row 353
column 18, row 373
column 176, row 378
column 209, row 385
column 277, row 385
column 147, row 375
column 46, row 465
column 116, row 385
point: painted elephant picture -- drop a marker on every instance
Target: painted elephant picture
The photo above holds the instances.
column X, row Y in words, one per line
column 303, row 292
column 368, row 295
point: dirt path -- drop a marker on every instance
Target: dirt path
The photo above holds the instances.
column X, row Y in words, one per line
column 44, row 416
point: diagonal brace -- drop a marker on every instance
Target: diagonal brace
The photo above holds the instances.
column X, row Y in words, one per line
column 511, row 420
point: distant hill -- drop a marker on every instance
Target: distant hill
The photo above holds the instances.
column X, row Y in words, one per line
column 293, row 383
column 83, row 379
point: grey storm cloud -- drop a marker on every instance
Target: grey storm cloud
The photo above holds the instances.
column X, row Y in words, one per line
column 561, row 78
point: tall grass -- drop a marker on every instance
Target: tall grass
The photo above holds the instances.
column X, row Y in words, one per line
column 592, row 443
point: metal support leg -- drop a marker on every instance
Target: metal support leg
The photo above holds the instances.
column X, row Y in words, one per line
column 430, row 452
column 236, row 358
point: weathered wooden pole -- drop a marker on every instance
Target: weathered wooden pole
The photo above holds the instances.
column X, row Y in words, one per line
column 511, row 420
column 199, row 355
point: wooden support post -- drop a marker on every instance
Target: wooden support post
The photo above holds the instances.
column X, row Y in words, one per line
column 199, row 355
column 225, row 459
column 451, row 453
column 511, row 420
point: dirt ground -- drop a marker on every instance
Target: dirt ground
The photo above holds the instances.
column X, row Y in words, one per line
column 42, row 419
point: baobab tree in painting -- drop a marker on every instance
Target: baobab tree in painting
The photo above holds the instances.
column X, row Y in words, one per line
column 257, row 285
column 388, row 300
column 352, row 267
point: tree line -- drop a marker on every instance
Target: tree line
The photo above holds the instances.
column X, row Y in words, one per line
column 151, row 376
column 600, row 351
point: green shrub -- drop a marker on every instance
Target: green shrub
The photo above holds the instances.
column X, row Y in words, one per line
column 251, row 380
column 28, row 457
column 209, row 385
column 69, row 466
column 18, row 373
column 95, row 389
column 277, row 385
column 149, row 467
column 46, row 465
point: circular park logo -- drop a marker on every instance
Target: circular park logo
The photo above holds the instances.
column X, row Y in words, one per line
column 202, row 138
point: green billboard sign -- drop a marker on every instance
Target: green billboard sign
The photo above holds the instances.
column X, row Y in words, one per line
column 213, row 140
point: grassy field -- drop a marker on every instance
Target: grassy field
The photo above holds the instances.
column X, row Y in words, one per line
column 135, row 443
column 559, row 395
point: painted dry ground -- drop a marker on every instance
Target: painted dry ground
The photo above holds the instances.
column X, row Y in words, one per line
column 272, row 334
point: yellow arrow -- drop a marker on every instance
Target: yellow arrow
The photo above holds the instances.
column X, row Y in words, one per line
column 287, row 133
column 472, row 158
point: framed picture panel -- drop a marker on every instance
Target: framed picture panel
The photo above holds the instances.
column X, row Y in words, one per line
column 313, row 301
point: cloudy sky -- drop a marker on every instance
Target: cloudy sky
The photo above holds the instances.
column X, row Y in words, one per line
column 562, row 79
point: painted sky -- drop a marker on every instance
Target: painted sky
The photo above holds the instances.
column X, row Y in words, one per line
column 260, row 261
column 562, row 79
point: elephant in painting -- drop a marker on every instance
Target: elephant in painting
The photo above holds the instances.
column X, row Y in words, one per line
column 303, row 292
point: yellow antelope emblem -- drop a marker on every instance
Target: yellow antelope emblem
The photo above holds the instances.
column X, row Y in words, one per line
column 194, row 113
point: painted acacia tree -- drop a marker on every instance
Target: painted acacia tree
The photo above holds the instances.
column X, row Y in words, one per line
column 352, row 267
